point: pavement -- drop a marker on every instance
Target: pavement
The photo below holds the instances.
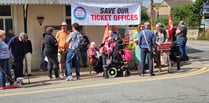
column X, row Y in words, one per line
column 188, row 85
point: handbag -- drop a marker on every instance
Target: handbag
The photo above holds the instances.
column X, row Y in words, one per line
column 149, row 49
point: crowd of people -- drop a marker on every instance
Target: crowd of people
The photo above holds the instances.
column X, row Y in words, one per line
column 63, row 51
column 147, row 43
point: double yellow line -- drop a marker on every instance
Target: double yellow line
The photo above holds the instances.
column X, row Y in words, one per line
column 200, row 71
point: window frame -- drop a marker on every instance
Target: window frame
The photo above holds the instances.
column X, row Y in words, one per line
column 8, row 17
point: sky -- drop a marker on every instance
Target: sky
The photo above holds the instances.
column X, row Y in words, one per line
column 146, row 3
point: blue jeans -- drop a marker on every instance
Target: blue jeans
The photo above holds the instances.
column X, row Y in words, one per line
column 84, row 56
column 73, row 55
column 43, row 63
column 144, row 53
column 182, row 48
column 4, row 64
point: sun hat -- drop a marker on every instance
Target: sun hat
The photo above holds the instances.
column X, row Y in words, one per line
column 64, row 24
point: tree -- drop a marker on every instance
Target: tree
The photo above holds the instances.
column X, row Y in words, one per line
column 162, row 20
column 198, row 6
column 189, row 13
column 186, row 14
column 144, row 16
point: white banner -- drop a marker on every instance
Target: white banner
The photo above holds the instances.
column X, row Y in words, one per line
column 86, row 13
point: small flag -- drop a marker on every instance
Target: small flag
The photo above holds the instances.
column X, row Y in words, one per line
column 170, row 27
column 106, row 33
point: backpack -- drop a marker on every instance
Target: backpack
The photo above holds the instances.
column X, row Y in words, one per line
column 127, row 55
column 78, row 41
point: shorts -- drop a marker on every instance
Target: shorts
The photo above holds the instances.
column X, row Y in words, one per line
column 62, row 56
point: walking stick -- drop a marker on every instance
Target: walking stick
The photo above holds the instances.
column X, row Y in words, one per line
column 26, row 67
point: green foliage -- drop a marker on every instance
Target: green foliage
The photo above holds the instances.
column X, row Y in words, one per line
column 198, row 6
column 186, row 14
column 131, row 46
column 162, row 20
column 144, row 16
column 190, row 14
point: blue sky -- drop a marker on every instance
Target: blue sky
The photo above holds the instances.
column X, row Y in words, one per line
column 146, row 3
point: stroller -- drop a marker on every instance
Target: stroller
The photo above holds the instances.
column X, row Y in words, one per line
column 118, row 65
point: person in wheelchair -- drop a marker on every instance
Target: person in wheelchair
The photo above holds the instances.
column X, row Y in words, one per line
column 118, row 56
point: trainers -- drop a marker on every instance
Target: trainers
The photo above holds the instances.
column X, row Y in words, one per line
column 29, row 74
column 3, row 88
column 78, row 78
column 20, row 79
column 50, row 78
column 61, row 75
column 41, row 70
column 69, row 78
column 15, row 86
column 58, row 78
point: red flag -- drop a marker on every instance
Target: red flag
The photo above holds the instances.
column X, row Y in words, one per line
column 106, row 32
column 170, row 27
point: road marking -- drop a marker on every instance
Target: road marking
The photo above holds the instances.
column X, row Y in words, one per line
column 200, row 71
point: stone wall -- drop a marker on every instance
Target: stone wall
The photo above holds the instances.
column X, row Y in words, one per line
column 192, row 33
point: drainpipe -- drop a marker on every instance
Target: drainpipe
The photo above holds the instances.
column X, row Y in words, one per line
column 25, row 15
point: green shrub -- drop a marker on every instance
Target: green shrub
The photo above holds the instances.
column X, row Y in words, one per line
column 131, row 47
column 163, row 21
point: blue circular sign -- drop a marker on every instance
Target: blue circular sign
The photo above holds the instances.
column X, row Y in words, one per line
column 79, row 13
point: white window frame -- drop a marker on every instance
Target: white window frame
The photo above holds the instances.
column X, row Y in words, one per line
column 4, row 19
column 7, row 17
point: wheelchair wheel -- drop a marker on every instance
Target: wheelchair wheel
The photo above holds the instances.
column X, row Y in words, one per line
column 112, row 72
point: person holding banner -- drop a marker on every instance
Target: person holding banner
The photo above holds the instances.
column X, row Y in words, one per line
column 161, row 38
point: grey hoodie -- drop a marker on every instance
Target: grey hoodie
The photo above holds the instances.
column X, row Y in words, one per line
column 71, row 39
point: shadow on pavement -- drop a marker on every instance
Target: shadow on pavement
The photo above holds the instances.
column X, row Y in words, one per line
column 191, row 50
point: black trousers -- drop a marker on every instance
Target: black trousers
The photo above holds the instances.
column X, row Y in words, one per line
column 104, row 57
column 53, row 64
column 17, row 65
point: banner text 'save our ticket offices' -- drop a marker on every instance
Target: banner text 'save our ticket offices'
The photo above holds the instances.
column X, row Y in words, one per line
column 44, row 13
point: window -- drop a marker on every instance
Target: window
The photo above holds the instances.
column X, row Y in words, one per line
column 1, row 24
column 9, row 24
column 68, row 10
column 5, row 11
column 6, row 22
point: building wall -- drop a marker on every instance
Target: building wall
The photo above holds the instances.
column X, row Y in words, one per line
column 95, row 33
column 164, row 10
column 53, row 15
